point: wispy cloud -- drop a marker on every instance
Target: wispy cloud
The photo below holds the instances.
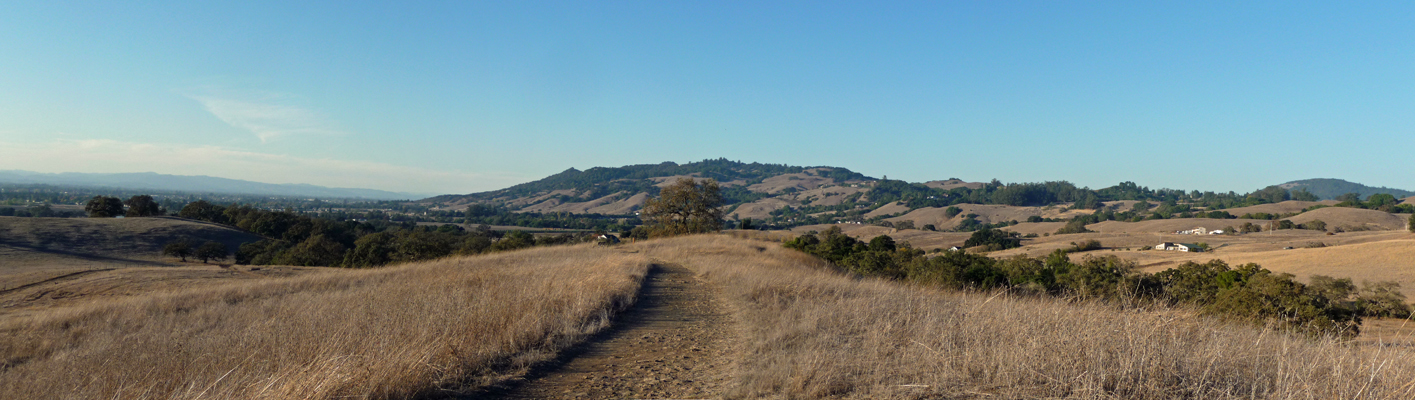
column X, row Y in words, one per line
column 266, row 115
column 65, row 155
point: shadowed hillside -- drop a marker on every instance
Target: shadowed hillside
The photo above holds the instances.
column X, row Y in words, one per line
column 43, row 241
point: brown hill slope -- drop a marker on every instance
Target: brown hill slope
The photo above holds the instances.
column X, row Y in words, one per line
column 987, row 214
column 1286, row 207
column 41, row 241
column 1343, row 217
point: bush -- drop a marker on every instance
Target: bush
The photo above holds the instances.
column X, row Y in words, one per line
column 1084, row 245
column 1316, row 225
column 1075, row 226
column 1382, row 299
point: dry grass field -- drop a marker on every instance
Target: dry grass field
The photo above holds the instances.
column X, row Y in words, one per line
column 809, row 332
column 800, row 329
column 418, row 330
column 986, row 213
column 1286, row 207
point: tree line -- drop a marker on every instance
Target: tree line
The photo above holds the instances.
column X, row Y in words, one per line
column 1247, row 292
column 294, row 239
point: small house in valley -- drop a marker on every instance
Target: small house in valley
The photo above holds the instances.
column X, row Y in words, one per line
column 1184, row 247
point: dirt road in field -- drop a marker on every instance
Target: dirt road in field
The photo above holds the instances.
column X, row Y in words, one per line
column 672, row 344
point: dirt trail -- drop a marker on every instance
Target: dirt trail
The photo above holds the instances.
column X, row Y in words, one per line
column 673, row 343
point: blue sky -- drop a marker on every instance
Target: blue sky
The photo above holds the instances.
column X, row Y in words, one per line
column 456, row 97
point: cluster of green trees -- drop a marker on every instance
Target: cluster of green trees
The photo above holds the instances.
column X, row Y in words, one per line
column 209, row 251
column 110, row 207
column 485, row 214
column 37, row 211
column 1248, row 292
column 294, row 239
column 1379, row 201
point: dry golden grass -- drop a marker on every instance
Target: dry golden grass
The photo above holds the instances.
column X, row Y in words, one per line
column 1286, row 207
column 986, row 213
column 409, row 331
column 809, row 332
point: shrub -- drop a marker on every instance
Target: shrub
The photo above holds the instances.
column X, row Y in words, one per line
column 1075, row 226
column 1084, row 245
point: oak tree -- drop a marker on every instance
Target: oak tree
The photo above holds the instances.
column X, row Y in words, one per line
column 687, row 206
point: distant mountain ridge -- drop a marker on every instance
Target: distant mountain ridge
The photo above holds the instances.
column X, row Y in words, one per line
column 197, row 183
column 1327, row 188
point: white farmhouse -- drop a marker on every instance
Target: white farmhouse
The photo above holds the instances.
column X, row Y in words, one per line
column 1184, row 247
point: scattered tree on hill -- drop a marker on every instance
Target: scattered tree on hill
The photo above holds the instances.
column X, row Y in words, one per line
column 952, row 211
column 104, row 207
column 1084, row 245
column 143, row 206
column 202, row 210
column 1271, row 194
column 1303, row 195
column 687, row 206
column 180, row 249
column 1140, row 206
column 901, row 225
column 1381, row 201
column 1316, row 225
column 746, row 224
column 1088, row 202
column 1075, row 226
column 212, row 250
column 994, row 239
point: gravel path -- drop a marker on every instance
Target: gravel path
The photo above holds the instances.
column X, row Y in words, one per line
column 672, row 344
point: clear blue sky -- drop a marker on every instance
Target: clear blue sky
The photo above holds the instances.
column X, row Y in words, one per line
column 455, row 97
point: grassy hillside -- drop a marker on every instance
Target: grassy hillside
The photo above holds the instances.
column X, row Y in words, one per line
column 409, row 331
column 803, row 330
column 29, row 242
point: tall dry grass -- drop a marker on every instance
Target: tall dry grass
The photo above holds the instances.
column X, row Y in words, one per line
column 423, row 329
column 809, row 332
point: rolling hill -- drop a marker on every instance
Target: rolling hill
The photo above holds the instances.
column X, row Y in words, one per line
column 67, row 242
column 1328, row 189
column 621, row 190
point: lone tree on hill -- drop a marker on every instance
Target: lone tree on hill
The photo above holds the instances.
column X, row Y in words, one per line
column 212, row 251
column 143, row 206
column 180, row 248
column 687, row 206
column 104, row 207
